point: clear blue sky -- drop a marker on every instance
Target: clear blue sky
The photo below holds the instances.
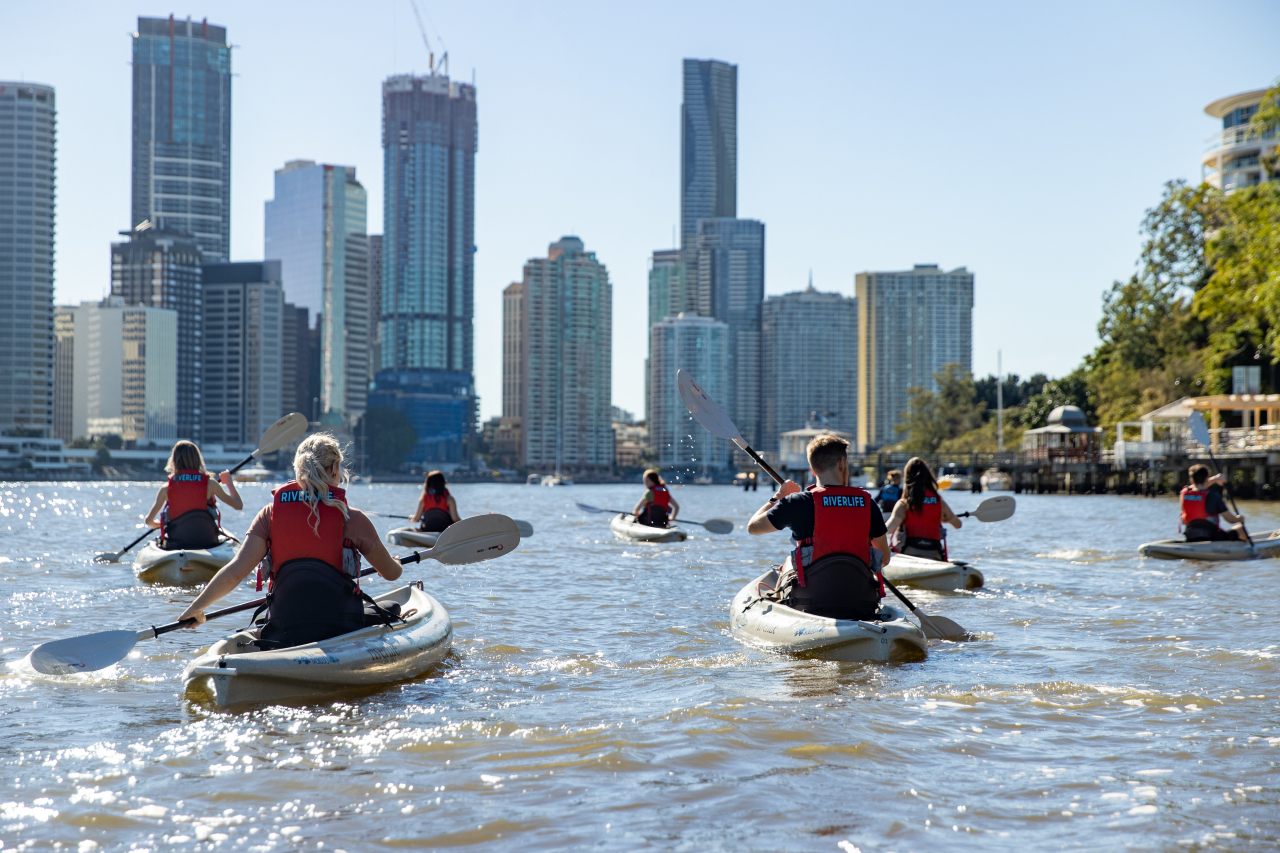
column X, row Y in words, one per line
column 1020, row 140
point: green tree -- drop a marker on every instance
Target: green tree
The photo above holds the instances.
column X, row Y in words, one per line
column 933, row 417
column 388, row 438
column 1070, row 390
column 1266, row 120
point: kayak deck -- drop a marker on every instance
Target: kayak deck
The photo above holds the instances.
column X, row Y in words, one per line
column 411, row 537
column 181, row 567
column 924, row 573
column 633, row 531
column 1267, row 545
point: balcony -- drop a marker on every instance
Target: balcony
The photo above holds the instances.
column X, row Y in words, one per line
column 1241, row 135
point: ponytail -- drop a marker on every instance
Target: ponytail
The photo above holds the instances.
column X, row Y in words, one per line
column 316, row 456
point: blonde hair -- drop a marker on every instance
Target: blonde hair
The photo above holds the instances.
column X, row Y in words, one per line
column 185, row 457
column 316, row 456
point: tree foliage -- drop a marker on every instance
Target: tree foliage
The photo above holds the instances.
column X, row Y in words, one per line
column 389, row 436
column 1070, row 390
column 933, row 417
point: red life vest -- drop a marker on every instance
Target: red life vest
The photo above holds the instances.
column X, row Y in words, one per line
column 293, row 538
column 927, row 523
column 662, row 497
column 841, row 525
column 188, row 490
column 434, row 500
column 1194, row 506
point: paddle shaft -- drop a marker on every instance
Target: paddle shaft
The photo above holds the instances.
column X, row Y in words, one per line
column 1227, row 486
column 746, row 448
column 134, row 542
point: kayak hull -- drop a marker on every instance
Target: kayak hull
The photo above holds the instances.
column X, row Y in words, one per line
column 411, row 537
column 1267, row 546
column 233, row 675
column 183, row 567
column 922, row 573
column 631, row 531
column 776, row 627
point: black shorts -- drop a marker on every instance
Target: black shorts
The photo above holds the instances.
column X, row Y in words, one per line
column 1206, row 531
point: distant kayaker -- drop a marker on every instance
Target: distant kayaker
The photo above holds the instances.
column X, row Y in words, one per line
column 185, row 510
column 839, row 538
column 307, row 541
column 436, row 508
column 920, row 513
column 891, row 491
column 1203, row 505
column 657, row 508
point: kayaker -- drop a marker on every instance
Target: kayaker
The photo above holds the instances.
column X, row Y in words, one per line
column 839, row 538
column 657, row 508
column 185, row 510
column 921, row 512
column 436, row 508
column 891, row 491
column 306, row 541
column 1202, row 506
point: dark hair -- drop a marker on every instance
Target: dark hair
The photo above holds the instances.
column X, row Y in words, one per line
column 894, row 473
column 1199, row 473
column 435, row 481
column 919, row 479
column 826, row 451
column 656, row 475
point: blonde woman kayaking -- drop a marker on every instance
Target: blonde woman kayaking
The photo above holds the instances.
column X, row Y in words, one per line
column 186, row 505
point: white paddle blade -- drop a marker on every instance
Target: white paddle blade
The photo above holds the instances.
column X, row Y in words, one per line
column 474, row 540
column 939, row 627
column 1199, row 429
column 113, row 557
column 525, row 528
column 718, row 525
column 705, row 410
column 280, row 433
column 995, row 509
column 87, row 653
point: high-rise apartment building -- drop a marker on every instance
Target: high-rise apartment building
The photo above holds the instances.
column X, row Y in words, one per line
column 666, row 299
column 28, row 126
column 161, row 269
column 316, row 227
column 731, row 289
column 697, row 345
column 182, row 131
column 299, row 363
column 709, row 151
column 512, row 350
column 429, row 140
column 374, row 332
column 64, row 366
column 243, row 337
column 1236, row 155
column 567, row 362
column 910, row 325
column 827, row 384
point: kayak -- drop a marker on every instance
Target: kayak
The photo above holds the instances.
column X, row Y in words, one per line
column 626, row 527
column 232, row 673
column 1267, row 546
column 156, row 565
column 931, row 574
column 777, row 627
column 411, row 537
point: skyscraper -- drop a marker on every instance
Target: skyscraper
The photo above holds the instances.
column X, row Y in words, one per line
column 512, row 350
column 666, row 299
column 243, row 338
column 161, row 269
column 64, row 372
column 709, row 149
column 182, row 131
column 429, row 140
column 730, row 289
column 910, row 324
column 567, row 360
column 375, row 304
column 299, row 363
column 828, row 382
column 696, row 344
column 28, row 124
column 316, row 227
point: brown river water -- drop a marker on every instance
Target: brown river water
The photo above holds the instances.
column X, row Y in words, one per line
column 595, row 699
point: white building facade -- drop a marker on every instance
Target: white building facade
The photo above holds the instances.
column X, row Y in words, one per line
column 1235, row 157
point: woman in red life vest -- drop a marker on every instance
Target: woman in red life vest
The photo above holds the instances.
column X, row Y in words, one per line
column 838, row 534
column 921, row 512
column 657, row 508
column 305, row 542
column 1202, row 505
column 436, row 508
column 186, row 504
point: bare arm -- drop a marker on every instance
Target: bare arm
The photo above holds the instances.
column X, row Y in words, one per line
column 453, row 513
column 647, row 499
column 881, row 544
column 361, row 529
column 949, row 517
column 896, row 518
column 228, row 577
column 230, row 497
column 675, row 508
column 759, row 523
column 417, row 513
column 161, row 497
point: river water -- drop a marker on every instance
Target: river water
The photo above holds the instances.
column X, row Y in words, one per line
column 595, row 698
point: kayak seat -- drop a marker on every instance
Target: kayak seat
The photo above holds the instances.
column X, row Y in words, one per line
column 434, row 520
column 653, row 516
column 193, row 530
column 838, row 586
column 310, row 601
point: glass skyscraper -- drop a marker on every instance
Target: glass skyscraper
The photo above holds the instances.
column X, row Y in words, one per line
column 182, row 131
column 27, row 158
column 695, row 344
column 709, row 151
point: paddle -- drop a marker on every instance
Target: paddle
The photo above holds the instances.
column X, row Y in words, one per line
column 1200, row 432
column 708, row 413
column 472, row 540
column 276, row 436
column 992, row 509
column 715, row 525
column 526, row 529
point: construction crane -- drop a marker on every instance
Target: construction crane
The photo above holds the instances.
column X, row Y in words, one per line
column 431, row 56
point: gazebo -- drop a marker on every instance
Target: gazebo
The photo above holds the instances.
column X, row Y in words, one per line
column 1066, row 438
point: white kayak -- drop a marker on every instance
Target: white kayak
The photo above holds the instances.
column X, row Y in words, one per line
column 156, row 565
column 779, row 628
column 931, row 574
column 411, row 537
column 233, row 673
column 1266, row 544
column 626, row 527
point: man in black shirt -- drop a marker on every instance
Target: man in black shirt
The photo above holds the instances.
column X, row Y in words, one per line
column 1202, row 505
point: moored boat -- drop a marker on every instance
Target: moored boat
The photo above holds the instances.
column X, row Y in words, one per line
column 182, row 566
column 411, row 537
column 1266, row 545
column 626, row 527
column 932, row 574
column 777, row 627
column 233, row 672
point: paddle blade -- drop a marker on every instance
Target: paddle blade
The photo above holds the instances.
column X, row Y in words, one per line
column 280, row 433
column 718, row 525
column 474, row 540
column 1199, row 429
column 113, row 557
column 939, row 627
column 705, row 410
column 589, row 508
column 525, row 528
column 87, row 653
column 995, row 509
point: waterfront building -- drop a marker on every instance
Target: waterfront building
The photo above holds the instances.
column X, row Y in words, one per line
column 1236, row 156
column 161, row 269
column 513, row 320
column 910, row 325
column 316, row 227
column 28, row 126
column 696, row 344
column 567, row 360
column 820, row 329
column 731, row 289
column 429, row 139
column 243, row 338
column 709, row 155
column 299, row 363
column 182, row 131
column 502, row 437
column 374, row 334
column 440, row 404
